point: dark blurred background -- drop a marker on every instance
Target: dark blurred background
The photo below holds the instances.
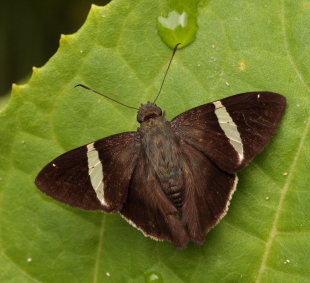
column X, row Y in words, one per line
column 30, row 32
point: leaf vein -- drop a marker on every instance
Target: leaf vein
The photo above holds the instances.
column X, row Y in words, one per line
column 265, row 174
column 242, row 231
column 99, row 249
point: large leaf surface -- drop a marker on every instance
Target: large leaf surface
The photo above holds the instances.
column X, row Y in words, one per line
column 240, row 46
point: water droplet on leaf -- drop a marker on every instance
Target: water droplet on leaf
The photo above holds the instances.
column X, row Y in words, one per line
column 179, row 25
column 153, row 277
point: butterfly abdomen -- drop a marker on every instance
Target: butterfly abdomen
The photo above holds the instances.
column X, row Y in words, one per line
column 176, row 195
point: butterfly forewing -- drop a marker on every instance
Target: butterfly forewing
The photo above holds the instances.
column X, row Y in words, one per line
column 95, row 176
column 233, row 130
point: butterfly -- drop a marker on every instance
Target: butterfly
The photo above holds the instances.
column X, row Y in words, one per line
column 173, row 180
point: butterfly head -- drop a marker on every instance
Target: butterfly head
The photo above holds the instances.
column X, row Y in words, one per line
column 148, row 111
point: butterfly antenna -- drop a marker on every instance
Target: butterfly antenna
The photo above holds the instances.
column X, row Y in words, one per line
column 95, row 91
column 173, row 53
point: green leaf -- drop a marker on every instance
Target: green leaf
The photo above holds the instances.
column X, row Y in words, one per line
column 240, row 46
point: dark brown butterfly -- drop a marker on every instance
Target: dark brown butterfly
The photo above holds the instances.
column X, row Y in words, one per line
column 172, row 180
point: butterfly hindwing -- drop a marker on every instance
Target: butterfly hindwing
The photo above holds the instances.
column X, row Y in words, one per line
column 149, row 209
column 95, row 176
column 233, row 130
column 208, row 191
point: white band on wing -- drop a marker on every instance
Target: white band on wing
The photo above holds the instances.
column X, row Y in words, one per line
column 229, row 128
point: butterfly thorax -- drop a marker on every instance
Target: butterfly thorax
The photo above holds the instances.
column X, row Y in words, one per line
column 162, row 149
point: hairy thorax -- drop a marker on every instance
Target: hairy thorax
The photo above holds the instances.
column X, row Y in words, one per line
column 162, row 148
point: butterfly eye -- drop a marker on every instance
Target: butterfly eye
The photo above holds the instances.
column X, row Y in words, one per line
column 150, row 116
